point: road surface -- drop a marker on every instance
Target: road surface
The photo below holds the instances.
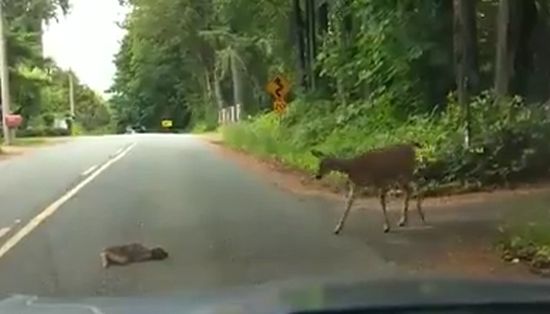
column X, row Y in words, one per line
column 222, row 225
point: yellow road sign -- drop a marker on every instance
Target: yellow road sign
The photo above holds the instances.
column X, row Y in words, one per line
column 278, row 87
column 166, row 123
column 279, row 106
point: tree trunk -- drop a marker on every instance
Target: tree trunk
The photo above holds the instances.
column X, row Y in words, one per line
column 307, row 37
column 312, row 38
column 466, row 61
column 524, row 19
column 510, row 19
column 218, row 90
column 323, row 18
column 237, row 78
column 300, row 40
column 502, row 68
column 208, row 85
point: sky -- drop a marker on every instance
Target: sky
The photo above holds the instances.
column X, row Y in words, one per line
column 86, row 40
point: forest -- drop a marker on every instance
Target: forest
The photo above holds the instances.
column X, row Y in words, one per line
column 39, row 88
column 466, row 79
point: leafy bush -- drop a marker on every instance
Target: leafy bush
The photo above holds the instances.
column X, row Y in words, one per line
column 508, row 144
column 38, row 132
column 77, row 129
column 202, row 127
column 48, row 119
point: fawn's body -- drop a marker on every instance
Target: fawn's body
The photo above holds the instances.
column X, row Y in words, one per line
column 381, row 168
column 130, row 253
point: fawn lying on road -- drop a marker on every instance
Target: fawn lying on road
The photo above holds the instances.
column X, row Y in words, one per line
column 130, row 253
column 381, row 168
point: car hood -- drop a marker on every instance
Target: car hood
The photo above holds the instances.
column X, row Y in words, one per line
column 297, row 296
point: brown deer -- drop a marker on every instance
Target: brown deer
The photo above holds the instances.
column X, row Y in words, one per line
column 381, row 168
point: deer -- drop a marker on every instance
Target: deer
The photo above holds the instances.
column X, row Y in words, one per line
column 381, row 168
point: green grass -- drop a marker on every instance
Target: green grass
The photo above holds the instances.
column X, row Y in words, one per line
column 36, row 141
column 30, row 141
column 203, row 127
column 525, row 236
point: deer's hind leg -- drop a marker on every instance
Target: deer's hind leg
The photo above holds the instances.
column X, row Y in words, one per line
column 349, row 201
column 114, row 258
column 419, row 206
column 383, row 192
column 104, row 259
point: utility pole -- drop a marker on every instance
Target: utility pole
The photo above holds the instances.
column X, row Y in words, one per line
column 4, row 77
column 71, row 93
column 71, row 102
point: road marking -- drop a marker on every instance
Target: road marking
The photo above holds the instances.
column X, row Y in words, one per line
column 50, row 210
column 31, row 302
column 4, row 231
column 89, row 170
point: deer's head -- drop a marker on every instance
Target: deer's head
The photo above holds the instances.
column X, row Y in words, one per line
column 325, row 164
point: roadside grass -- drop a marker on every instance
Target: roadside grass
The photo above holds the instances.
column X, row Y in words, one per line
column 212, row 136
column 30, row 141
column 35, row 141
column 509, row 147
column 525, row 237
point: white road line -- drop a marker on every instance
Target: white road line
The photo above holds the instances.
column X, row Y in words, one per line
column 50, row 210
column 118, row 151
column 89, row 170
column 4, row 231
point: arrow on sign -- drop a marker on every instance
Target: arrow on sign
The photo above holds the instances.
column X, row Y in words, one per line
column 280, row 87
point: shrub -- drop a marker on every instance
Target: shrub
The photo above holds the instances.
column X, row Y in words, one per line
column 509, row 142
column 202, row 127
column 48, row 119
column 39, row 132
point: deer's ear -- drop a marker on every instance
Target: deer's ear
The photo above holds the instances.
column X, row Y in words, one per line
column 317, row 153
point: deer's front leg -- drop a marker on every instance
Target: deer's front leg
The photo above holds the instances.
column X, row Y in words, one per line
column 349, row 201
column 405, row 214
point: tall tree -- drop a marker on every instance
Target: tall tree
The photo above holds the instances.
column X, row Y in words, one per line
column 465, row 49
column 515, row 23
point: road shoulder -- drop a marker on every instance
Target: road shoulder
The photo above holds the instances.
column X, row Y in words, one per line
column 465, row 226
column 28, row 145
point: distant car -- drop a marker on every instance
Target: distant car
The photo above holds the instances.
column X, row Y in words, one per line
column 135, row 129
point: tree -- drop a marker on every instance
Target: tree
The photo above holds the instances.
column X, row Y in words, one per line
column 466, row 64
column 515, row 24
column 24, row 20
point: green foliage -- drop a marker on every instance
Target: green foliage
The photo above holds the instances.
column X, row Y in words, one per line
column 526, row 237
column 77, row 129
column 202, row 127
column 48, row 119
column 42, row 132
column 509, row 143
column 39, row 88
column 172, row 67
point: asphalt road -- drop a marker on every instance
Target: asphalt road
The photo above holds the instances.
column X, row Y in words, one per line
column 223, row 225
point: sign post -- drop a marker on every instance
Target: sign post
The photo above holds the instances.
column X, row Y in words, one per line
column 279, row 87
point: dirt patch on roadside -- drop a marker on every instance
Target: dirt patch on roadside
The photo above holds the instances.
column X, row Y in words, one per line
column 473, row 261
column 11, row 151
